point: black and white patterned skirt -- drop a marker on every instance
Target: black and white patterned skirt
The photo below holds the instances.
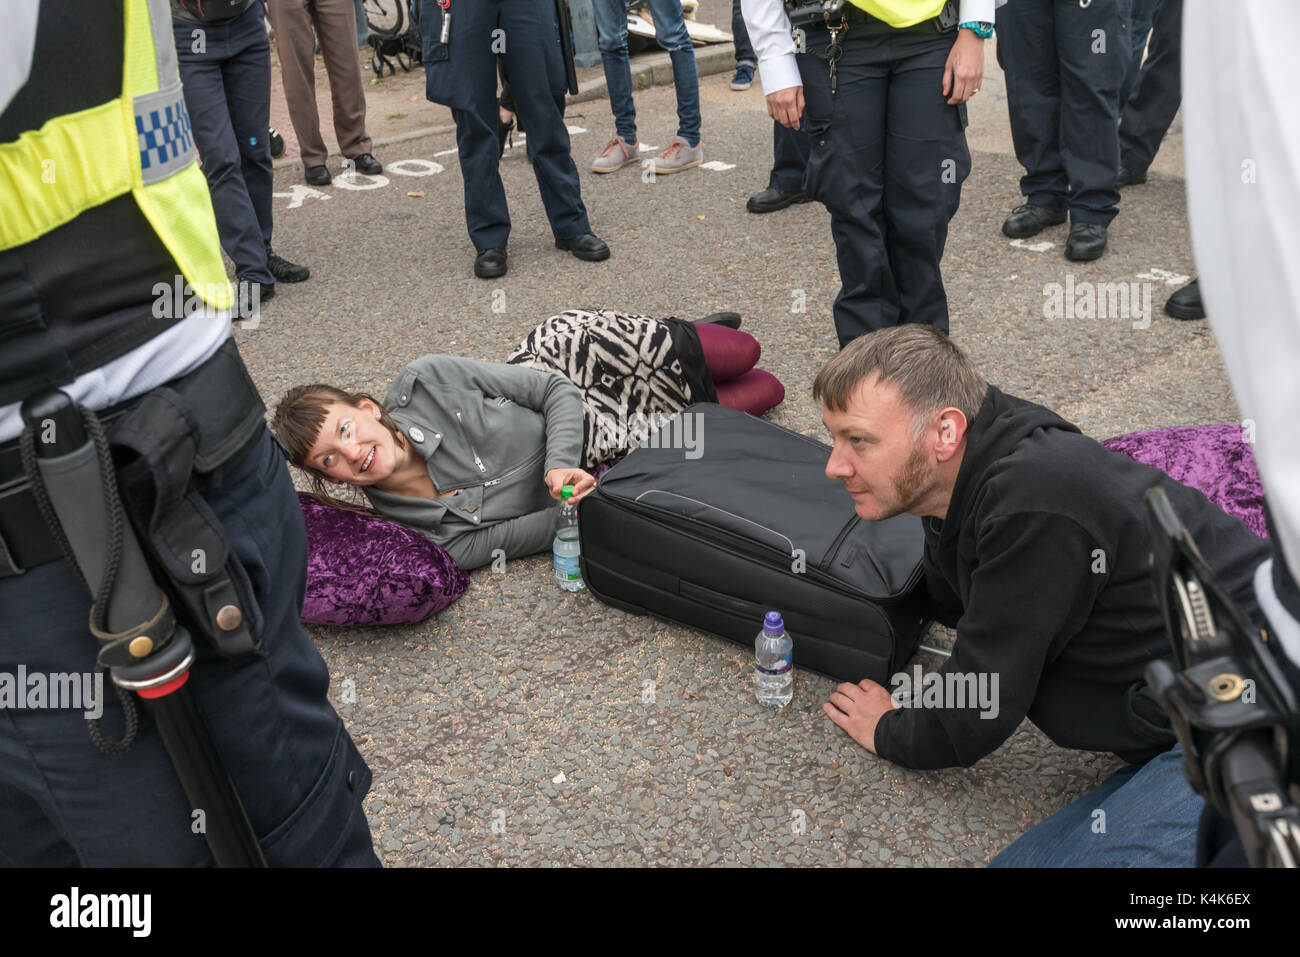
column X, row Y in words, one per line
column 629, row 369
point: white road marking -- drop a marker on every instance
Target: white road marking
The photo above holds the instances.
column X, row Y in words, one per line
column 1163, row 275
column 449, row 152
column 415, row 167
column 716, row 166
column 1039, row 247
column 300, row 193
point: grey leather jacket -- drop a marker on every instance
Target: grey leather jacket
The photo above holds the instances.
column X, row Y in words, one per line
column 489, row 431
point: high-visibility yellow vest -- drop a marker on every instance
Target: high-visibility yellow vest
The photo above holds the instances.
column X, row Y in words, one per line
column 137, row 143
column 901, row 13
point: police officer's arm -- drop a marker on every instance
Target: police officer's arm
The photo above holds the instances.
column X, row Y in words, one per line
column 516, row 537
column 1032, row 591
column 770, row 35
column 964, row 70
column 554, row 396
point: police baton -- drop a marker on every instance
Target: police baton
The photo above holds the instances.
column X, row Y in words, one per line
column 144, row 648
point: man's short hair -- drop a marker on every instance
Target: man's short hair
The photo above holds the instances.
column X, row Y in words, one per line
column 924, row 364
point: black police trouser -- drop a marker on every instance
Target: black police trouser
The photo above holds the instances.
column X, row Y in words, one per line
column 1158, row 91
column 888, row 157
column 527, row 41
column 63, row 802
column 1064, row 64
column 789, row 157
column 226, row 73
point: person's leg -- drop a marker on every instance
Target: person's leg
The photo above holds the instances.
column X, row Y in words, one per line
column 1027, row 53
column 537, row 80
column 296, row 770
column 212, row 118
column 754, row 392
column 1142, row 816
column 789, row 156
column 1158, row 92
column 847, row 133
column 728, row 353
column 363, row 28
column 740, row 37
column 336, row 28
column 670, row 33
column 1140, row 26
column 295, row 44
column 926, row 161
column 247, row 77
column 611, row 31
column 1090, row 81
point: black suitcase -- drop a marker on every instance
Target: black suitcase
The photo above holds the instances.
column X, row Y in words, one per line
column 706, row 526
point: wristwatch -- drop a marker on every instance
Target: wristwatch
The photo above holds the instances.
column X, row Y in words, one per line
column 981, row 28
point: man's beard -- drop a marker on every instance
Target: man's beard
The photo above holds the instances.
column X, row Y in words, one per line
column 912, row 484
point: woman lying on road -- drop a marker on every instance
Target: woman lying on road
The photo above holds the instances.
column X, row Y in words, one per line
column 472, row 454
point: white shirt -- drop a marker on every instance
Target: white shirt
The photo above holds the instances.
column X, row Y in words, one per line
column 773, row 40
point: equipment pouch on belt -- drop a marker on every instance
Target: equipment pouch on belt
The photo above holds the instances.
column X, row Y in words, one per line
column 176, row 438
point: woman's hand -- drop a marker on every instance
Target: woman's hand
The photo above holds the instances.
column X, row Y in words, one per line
column 582, row 482
column 964, row 71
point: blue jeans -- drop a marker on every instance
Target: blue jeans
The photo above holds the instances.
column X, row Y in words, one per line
column 670, row 31
column 740, row 37
column 1143, row 815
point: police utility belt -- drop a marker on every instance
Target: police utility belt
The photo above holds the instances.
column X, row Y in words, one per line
column 836, row 13
column 169, row 445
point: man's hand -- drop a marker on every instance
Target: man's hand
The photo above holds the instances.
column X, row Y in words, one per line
column 964, row 71
column 857, row 709
column 786, row 106
column 581, row 481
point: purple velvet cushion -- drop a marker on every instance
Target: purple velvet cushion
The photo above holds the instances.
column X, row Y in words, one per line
column 1213, row 459
column 364, row 570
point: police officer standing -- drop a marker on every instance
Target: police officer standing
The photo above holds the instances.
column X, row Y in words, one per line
column 1064, row 62
column 462, row 40
column 885, row 83
column 119, row 217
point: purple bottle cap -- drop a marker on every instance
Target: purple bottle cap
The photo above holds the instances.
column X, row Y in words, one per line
column 772, row 623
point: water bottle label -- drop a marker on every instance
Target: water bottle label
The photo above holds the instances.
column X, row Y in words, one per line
column 782, row 667
column 567, row 568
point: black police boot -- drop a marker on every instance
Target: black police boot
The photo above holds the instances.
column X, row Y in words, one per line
column 772, row 199
column 490, row 263
column 1130, row 177
column 283, row 270
column 588, row 246
column 1030, row 220
column 317, row 175
column 1186, row 302
column 1086, row 241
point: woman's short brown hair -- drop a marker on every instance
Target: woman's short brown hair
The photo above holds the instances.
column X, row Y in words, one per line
column 297, row 422
column 924, row 364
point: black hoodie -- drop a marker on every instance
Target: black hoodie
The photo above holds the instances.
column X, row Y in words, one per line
column 1042, row 565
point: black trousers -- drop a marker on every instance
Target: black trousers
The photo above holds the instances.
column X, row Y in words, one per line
column 789, row 156
column 1064, row 64
column 1158, row 91
column 887, row 158
column 226, row 73
column 462, row 74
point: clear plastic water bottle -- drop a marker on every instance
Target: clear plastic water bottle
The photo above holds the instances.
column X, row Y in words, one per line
column 773, row 663
column 567, row 548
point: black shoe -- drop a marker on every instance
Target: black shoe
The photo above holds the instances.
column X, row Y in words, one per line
column 504, row 131
column 249, row 297
column 1128, row 177
column 1186, row 303
column 1086, row 241
column 490, row 263
column 1030, row 220
column 729, row 319
column 283, row 270
column 318, row 175
column 588, row 246
column 772, row 199
column 366, row 163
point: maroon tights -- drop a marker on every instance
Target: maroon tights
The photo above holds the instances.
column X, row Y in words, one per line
column 730, row 356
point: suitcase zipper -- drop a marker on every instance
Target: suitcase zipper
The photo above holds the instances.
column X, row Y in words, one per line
column 522, row 465
column 473, row 451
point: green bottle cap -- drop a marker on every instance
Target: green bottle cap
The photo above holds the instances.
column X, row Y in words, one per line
column 566, row 493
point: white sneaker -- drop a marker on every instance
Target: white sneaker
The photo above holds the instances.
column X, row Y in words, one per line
column 617, row 153
column 677, row 156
